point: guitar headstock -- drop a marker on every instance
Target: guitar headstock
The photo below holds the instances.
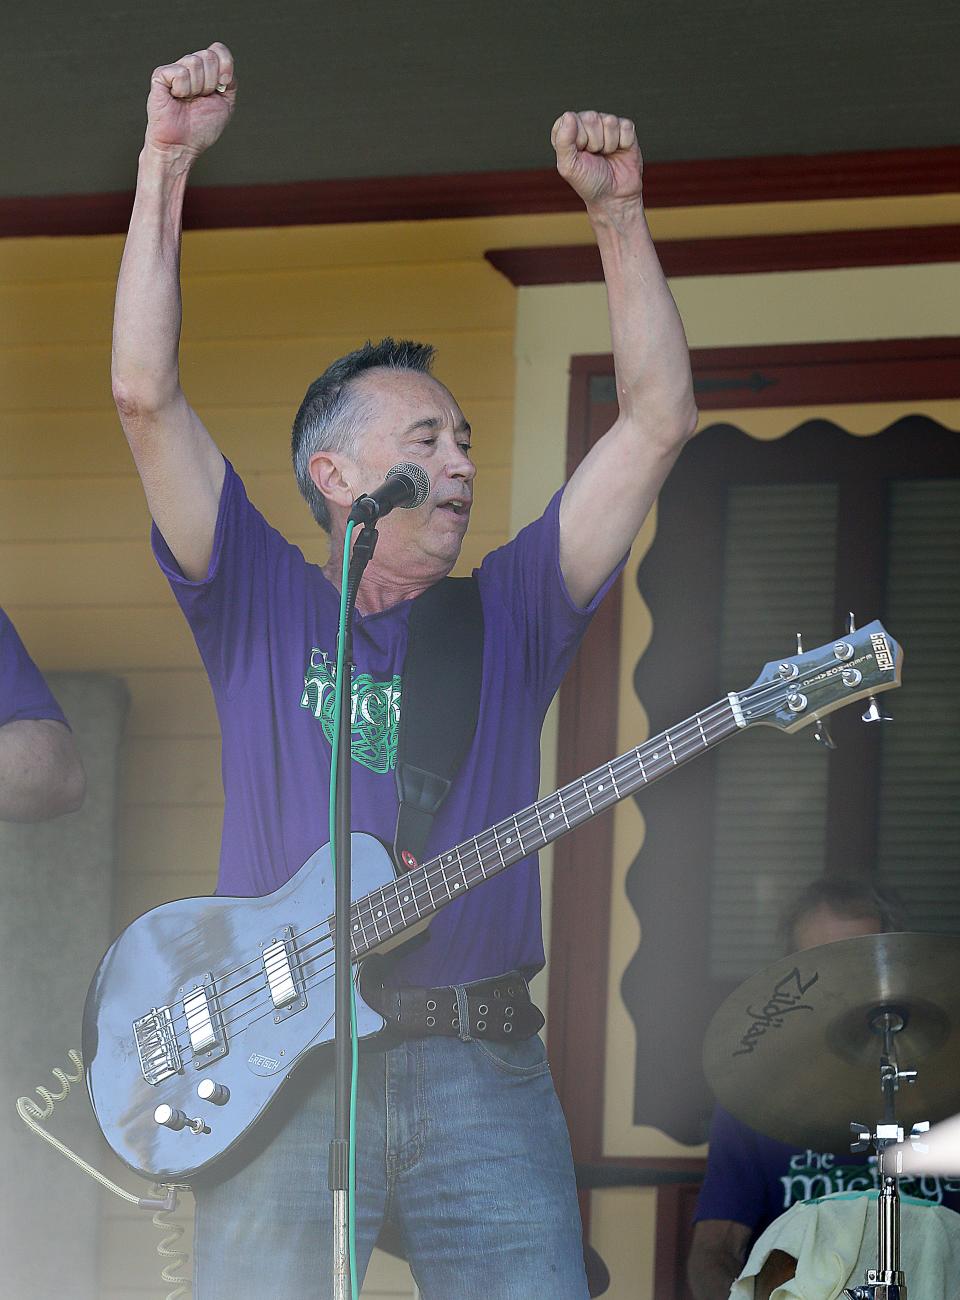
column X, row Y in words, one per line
column 801, row 688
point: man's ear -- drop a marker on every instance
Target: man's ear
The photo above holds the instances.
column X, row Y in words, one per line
column 332, row 473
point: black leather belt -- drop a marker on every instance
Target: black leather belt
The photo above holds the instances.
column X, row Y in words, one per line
column 498, row 1009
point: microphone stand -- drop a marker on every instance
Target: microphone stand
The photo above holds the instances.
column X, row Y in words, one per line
column 338, row 1174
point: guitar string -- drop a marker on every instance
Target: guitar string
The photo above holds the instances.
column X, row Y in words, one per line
column 576, row 801
column 678, row 735
column 433, row 871
column 306, row 957
column 325, row 973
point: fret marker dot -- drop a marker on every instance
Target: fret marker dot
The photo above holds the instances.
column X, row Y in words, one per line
column 509, row 838
column 457, row 885
column 406, row 898
column 657, row 755
column 356, row 927
column 379, row 914
column 552, row 815
column 599, row 788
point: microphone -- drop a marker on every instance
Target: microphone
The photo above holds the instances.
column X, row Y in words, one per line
column 406, row 485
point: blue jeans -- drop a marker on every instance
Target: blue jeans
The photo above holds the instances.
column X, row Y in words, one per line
column 461, row 1145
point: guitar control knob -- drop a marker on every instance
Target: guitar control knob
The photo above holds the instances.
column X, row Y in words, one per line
column 176, row 1120
column 218, row 1094
column 170, row 1118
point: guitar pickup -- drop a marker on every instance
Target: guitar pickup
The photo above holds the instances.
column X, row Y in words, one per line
column 201, row 1009
column 157, row 1045
column 283, row 976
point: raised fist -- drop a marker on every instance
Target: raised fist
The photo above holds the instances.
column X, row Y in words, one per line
column 598, row 155
column 190, row 101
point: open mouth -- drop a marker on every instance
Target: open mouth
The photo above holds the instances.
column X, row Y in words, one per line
column 456, row 507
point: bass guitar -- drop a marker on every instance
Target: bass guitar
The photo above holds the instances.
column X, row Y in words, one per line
column 201, row 1009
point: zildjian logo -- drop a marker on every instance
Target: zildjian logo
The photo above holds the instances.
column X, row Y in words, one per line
column 787, row 996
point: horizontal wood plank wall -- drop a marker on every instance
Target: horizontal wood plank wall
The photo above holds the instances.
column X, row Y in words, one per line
column 264, row 312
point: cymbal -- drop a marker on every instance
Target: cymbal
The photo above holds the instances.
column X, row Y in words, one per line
column 939, row 1151
column 793, row 1051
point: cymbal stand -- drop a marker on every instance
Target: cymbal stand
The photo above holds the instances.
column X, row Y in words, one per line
column 887, row 1280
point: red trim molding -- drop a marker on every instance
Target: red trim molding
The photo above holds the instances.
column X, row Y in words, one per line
column 819, row 374
column 674, row 1231
column 782, row 178
column 743, row 255
column 581, row 875
column 801, row 177
column 801, row 374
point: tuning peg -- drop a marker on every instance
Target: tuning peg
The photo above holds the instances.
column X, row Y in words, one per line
column 799, row 643
column 873, row 713
column 851, row 623
column 821, row 734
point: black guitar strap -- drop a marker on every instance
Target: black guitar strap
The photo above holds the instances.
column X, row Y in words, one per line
column 440, row 706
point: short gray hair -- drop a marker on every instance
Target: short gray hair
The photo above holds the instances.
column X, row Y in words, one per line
column 330, row 419
column 855, row 897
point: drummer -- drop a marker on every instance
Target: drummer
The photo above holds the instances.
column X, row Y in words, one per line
column 752, row 1179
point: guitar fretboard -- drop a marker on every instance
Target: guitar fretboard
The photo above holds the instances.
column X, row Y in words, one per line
column 391, row 909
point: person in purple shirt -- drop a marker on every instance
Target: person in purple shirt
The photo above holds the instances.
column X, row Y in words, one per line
column 752, row 1179
column 461, row 1141
column 41, row 775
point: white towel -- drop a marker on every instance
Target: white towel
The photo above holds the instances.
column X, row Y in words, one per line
column 834, row 1241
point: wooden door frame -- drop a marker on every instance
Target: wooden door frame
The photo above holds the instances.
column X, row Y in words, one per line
column 813, row 374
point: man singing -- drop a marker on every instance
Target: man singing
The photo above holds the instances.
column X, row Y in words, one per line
column 461, row 1142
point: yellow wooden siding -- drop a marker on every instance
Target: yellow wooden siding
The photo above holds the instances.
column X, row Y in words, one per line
column 265, row 312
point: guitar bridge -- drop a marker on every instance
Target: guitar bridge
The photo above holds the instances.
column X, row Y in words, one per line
column 157, row 1045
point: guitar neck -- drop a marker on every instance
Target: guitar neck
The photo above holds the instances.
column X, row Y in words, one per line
column 389, row 910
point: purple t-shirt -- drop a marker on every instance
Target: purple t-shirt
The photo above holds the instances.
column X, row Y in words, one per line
column 752, row 1179
column 265, row 622
column 23, row 692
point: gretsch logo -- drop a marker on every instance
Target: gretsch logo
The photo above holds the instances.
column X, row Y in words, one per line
column 786, row 996
column 881, row 651
column 263, row 1062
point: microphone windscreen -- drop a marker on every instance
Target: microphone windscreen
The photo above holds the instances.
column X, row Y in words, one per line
column 420, row 479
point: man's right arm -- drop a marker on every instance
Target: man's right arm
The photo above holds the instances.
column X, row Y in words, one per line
column 717, row 1256
column 182, row 471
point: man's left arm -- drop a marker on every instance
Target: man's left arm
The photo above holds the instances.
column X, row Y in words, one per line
column 611, row 492
column 41, row 774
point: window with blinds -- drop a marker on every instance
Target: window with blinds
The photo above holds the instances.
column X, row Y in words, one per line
column 773, row 791
column 919, row 814
column 771, row 803
column 757, row 539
